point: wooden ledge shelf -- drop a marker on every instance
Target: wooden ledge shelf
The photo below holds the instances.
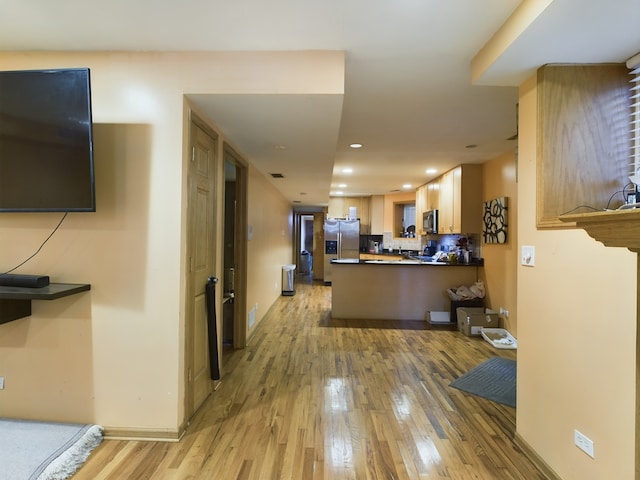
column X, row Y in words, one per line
column 614, row 228
column 15, row 302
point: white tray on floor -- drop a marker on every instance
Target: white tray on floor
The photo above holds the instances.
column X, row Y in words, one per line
column 439, row 318
column 499, row 338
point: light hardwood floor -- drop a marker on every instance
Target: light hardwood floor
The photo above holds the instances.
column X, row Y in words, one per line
column 313, row 397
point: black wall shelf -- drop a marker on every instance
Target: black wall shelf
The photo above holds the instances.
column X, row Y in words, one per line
column 15, row 302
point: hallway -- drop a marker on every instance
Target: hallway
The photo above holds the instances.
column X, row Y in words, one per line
column 315, row 398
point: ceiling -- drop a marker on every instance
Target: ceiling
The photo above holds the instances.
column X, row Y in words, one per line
column 421, row 89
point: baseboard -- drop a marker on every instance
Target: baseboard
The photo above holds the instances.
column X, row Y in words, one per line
column 143, row 434
column 532, row 455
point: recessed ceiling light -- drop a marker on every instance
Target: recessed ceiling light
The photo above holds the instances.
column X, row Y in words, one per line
column 356, row 145
column 343, row 185
column 430, row 171
column 347, row 170
column 339, row 192
column 406, row 186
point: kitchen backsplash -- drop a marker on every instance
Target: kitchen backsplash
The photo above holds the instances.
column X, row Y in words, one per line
column 401, row 243
column 444, row 242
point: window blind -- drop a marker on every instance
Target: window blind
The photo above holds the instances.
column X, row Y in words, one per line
column 634, row 166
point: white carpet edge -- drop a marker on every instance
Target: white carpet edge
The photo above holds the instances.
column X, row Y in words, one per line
column 67, row 463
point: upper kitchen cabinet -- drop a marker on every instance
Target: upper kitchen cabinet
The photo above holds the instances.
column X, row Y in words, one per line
column 376, row 213
column 433, row 194
column 446, row 203
column 460, row 200
column 427, row 198
column 422, row 205
column 339, row 208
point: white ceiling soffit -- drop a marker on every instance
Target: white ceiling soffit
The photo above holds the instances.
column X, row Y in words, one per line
column 292, row 135
column 558, row 31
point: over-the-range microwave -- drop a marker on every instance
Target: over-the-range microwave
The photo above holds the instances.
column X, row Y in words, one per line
column 430, row 221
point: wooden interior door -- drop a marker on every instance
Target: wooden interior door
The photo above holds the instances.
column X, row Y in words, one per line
column 201, row 248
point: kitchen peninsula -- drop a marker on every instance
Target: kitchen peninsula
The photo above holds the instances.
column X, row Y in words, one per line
column 395, row 290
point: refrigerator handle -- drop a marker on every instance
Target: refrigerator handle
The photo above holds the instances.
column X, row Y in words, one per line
column 339, row 245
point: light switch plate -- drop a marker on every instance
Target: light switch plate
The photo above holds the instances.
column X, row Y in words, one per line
column 528, row 256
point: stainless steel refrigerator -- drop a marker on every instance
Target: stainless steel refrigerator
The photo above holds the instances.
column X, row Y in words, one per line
column 341, row 240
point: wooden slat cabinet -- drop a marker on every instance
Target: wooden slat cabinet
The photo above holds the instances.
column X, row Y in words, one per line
column 582, row 139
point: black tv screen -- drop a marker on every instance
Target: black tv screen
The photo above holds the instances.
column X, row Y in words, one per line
column 46, row 141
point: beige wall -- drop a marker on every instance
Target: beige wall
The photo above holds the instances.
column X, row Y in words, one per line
column 576, row 336
column 114, row 355
column 270, row 245
column 500, row 271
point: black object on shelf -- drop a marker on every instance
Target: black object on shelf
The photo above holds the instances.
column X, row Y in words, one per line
column 28, row 281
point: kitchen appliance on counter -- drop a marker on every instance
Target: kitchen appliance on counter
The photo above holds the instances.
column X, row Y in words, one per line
column 430, row 221
column 341, row 240
column 368, row 243
column 430, row 248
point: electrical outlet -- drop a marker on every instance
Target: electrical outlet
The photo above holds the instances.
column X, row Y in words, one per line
column 252, row 316
column 1, row 383
column 504, row 312
column 584, row 443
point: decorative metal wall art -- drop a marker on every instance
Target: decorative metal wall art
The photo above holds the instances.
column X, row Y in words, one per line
column 494, row 228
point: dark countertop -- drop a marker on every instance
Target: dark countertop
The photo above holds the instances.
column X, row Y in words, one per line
column 478, row 262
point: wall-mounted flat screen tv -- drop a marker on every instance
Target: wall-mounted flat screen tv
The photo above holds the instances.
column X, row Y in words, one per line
column 46, row 141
